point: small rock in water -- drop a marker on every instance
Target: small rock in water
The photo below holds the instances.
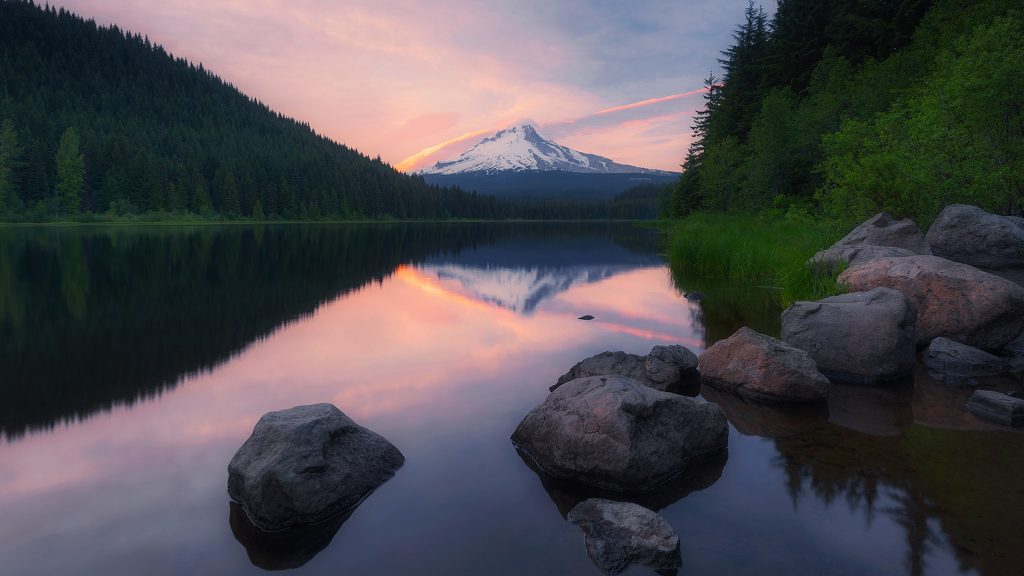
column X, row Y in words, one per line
column 694, row 296
column 615, row 433
column 306, row 465
column 946, row 356
column 619, row 534
column 760, row 368
column 665, row 368
column 997, row 407
column 587, row 317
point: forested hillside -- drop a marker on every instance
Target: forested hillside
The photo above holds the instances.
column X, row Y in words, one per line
column 98, row 120
column 843, row 108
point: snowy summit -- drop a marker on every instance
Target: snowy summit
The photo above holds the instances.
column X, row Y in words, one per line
column 522, row 149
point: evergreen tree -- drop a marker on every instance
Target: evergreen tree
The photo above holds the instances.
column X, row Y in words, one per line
column 10, row 162
column 70, row 173
column 225, row 193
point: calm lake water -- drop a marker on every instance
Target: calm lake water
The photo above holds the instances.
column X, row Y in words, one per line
column 134, row 362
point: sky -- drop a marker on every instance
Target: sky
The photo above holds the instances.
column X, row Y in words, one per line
column 416, row 81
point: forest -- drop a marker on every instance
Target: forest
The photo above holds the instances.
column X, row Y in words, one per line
column 833, row 110
column 97, row 123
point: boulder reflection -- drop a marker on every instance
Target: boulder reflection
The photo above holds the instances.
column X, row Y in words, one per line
column 700, row 474
column 283, row 549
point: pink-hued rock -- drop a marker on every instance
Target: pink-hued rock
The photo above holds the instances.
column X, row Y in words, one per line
column 953, row 300
column 760, row 368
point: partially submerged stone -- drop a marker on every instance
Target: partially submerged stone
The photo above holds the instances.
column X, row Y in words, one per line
column 953, row 300
column 616, row 433
column 997, row 407
column 973, row 236
column 858, row 338
column 760, row 368
column 620, row 534
column 945, row 356
column 663, row 369
column 306, row 465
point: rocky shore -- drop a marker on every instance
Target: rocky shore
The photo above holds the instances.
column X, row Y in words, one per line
column 939, row 302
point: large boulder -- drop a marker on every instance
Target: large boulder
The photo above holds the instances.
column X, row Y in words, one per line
column 970, row 235
column 619, row 534
column 760, row 368
column 665, row 368
column 878, row 237
column 953, row 300
column 945, row 356
column 308, row 464
column 616, row 433
column 859, row 338
column 997, row 407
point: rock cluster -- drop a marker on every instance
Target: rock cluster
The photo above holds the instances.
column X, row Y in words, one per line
column 878, row 237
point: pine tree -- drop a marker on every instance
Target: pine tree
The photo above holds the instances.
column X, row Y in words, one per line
column 10, row 161
column 70, row 173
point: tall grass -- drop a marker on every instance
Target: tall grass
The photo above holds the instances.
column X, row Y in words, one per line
column 770, row 252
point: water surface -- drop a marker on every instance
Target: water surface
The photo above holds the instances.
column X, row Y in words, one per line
column 136, row 361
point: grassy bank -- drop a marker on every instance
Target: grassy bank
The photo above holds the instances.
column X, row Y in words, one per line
column 755, row 249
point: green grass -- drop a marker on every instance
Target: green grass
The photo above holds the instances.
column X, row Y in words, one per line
column 755, row 249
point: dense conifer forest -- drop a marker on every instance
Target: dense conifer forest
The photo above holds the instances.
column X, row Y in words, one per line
column 96, row 120
column 842, row 108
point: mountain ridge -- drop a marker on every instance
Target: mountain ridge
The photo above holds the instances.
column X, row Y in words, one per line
column 522, row 149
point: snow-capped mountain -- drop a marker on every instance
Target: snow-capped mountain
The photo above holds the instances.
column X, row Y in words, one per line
column 522, row 149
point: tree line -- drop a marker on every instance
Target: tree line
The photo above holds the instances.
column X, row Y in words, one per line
column 843, row 108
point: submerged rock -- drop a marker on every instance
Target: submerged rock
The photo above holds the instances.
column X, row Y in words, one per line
column 586, row 317
column 619, row 534
column 306, row 465
column 973, row 236
column 858, row 338
column 615, row 433
column 665, row 368
column 953, row 300
column 997, row 407
column 760, row 368
column 945, row 356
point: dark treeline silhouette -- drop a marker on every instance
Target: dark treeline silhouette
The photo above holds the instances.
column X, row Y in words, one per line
column 98, row 121
column 842, row 108
column 90, row 318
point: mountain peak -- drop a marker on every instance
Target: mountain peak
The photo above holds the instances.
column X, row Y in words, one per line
column 521, row 148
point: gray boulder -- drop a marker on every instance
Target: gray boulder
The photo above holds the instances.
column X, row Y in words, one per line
column 953, row 300
column 858, row 338
column 760, row 368
column 616, row 433
column 882, row 230
column 946, row 356
column 663, row 369
column 831, row 258
column 308, row 464
column 997, row 407
column 973, row 236
column 619, row 534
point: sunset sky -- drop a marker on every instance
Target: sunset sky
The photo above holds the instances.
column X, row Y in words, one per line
column 416, row 82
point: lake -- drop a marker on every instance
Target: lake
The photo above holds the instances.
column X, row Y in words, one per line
column 135, row 361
